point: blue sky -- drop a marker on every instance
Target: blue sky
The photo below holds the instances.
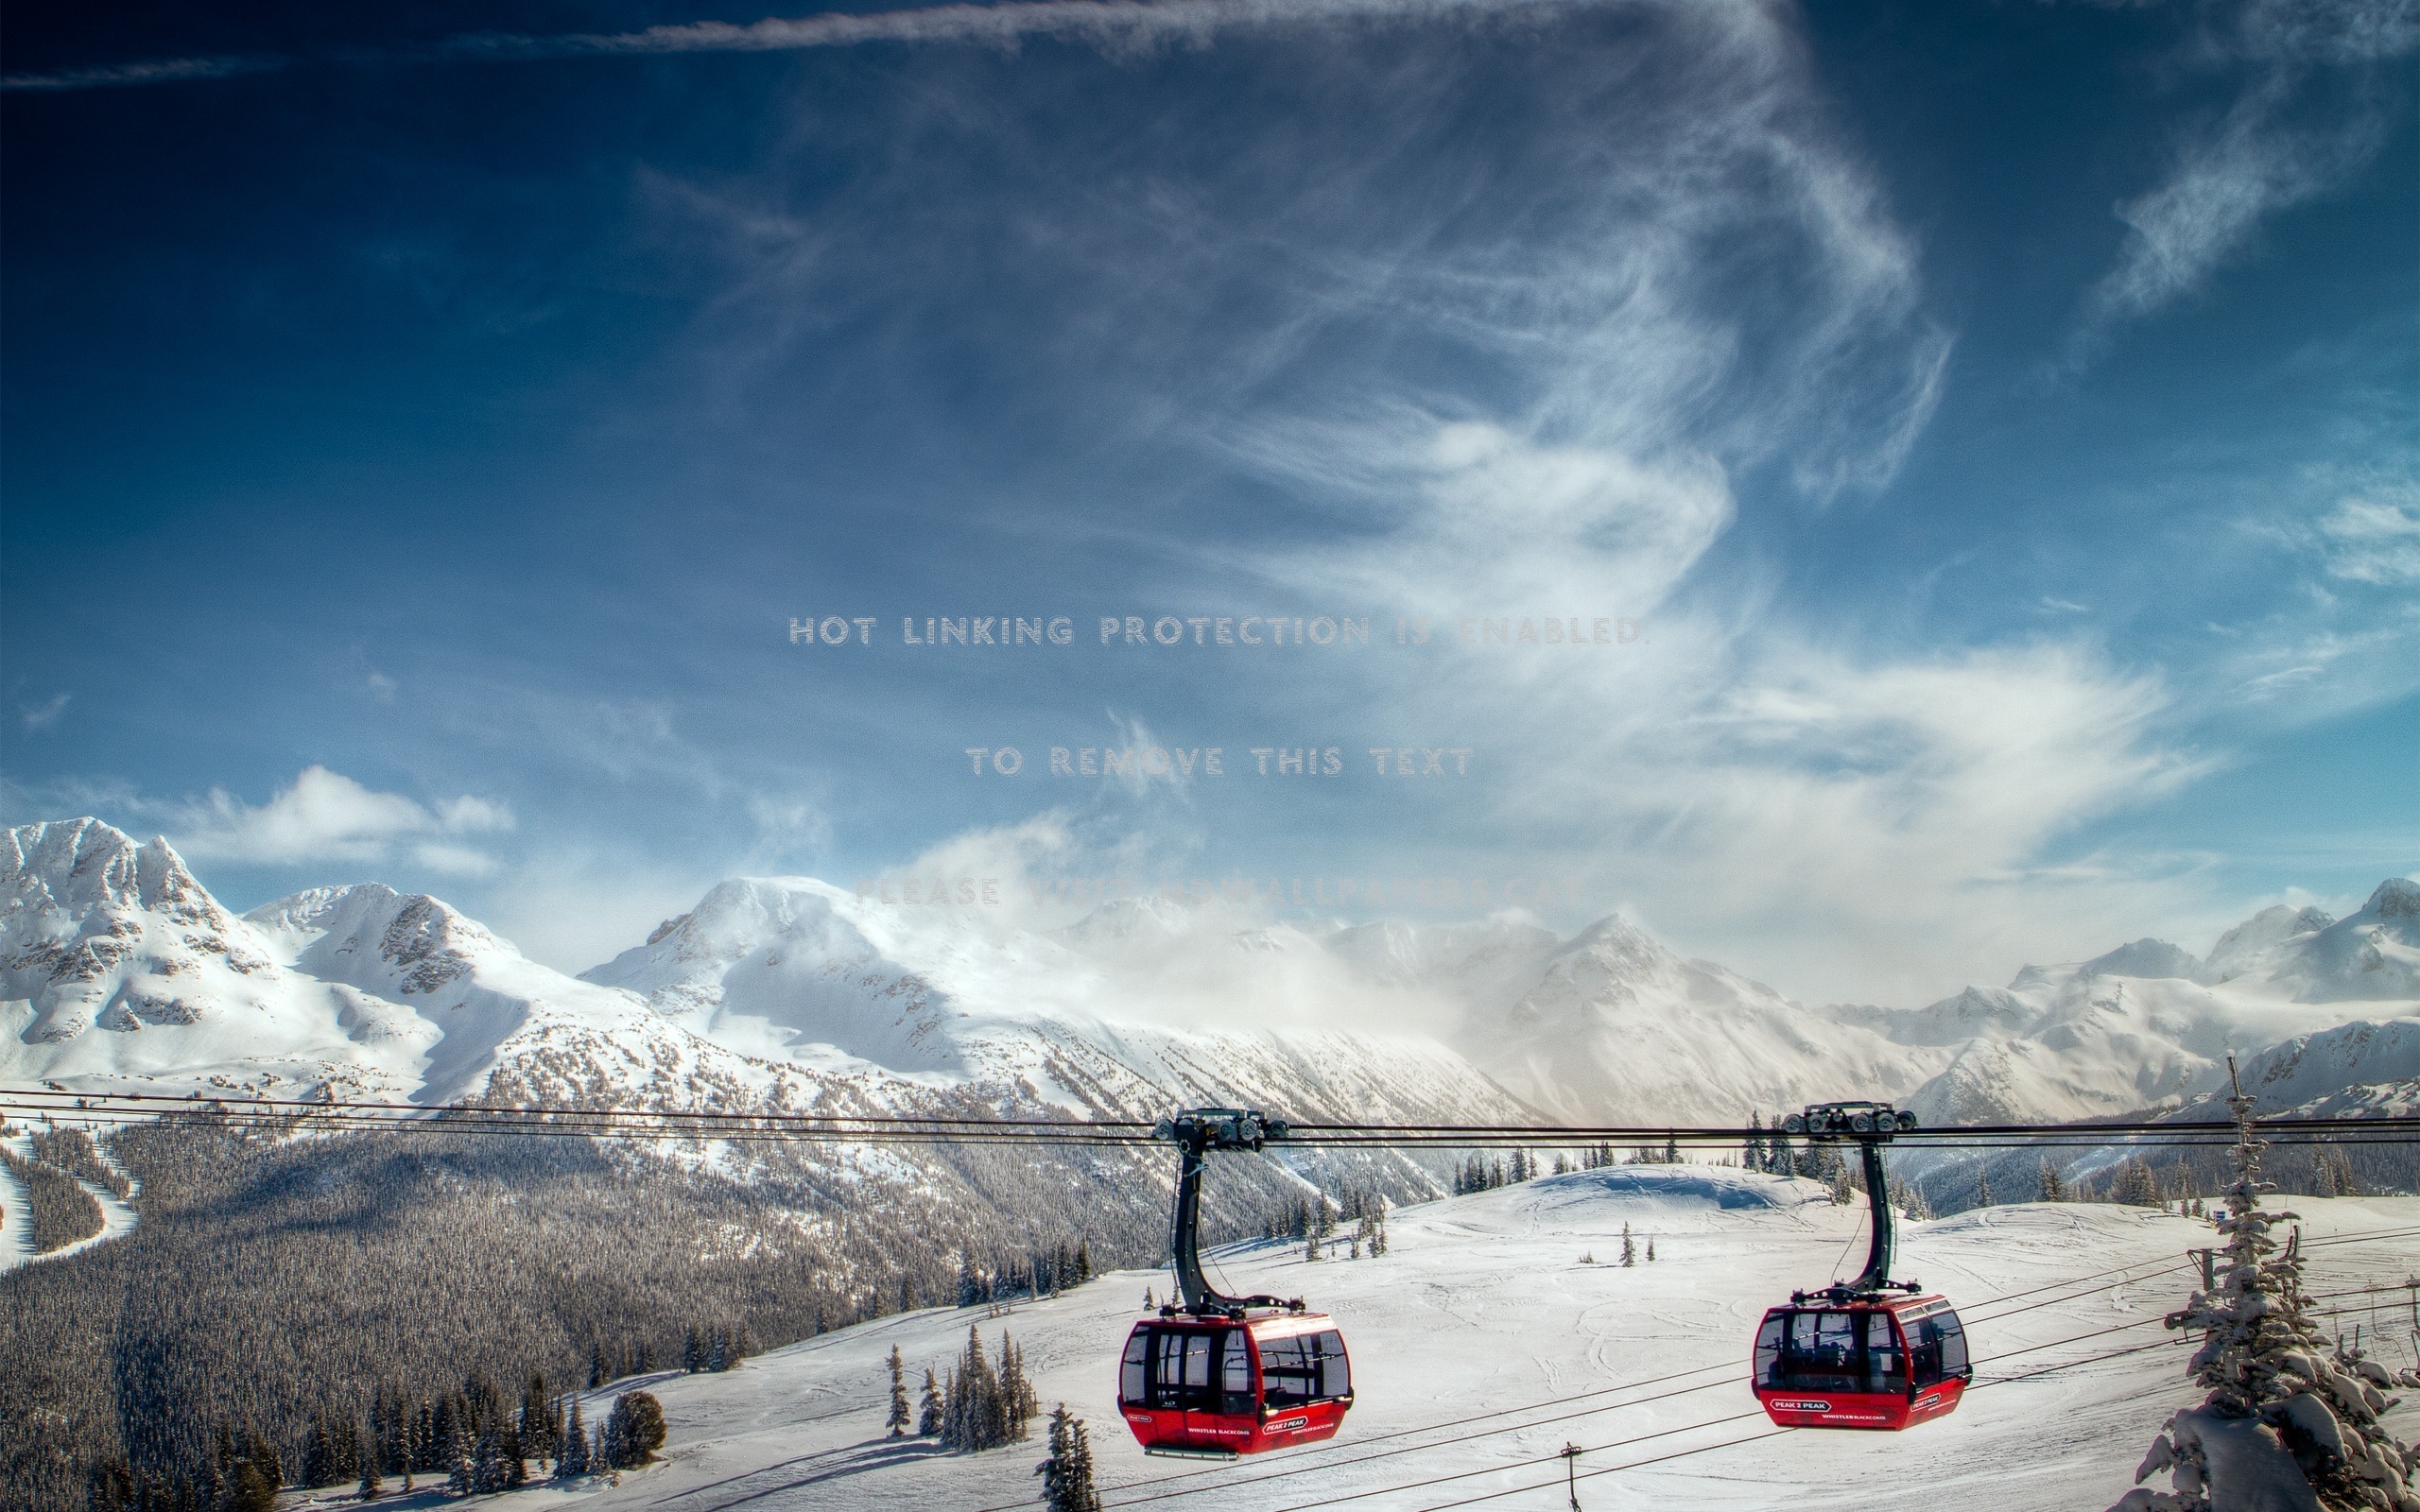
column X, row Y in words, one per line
column 1996, row 420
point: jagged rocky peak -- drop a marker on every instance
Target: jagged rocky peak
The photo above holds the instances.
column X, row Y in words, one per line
column 71, row 866
column 368, row 930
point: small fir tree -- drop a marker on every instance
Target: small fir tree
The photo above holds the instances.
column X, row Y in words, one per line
column 934, row 1410
column 572, row 1460
column 1067, row 1473
column 1629, row 1251
column 366, row 1453
column 897, row 1421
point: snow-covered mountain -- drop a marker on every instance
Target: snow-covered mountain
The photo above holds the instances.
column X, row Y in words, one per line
column 1611, row 1026
column 122, row 973
column 2149, row 1024
column 118, row 970
column 793, row 969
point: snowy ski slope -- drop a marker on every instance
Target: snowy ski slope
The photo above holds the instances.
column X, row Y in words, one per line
column 1485, row 1307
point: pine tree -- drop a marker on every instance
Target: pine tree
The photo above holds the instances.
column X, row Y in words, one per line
column 366, row 1453
column 1650, row 1250
column 2138, row 1186
column 1629, row 1251
column 2053, row 1189
column 573, row 1458
column 2264, row 1360
column 512, row 1455
column 1983, row 1188
column 635, row 1429
column 1016, row 1393
column 317, row 1466
column 598, row 1373
column 1751, row 1154
column 535, row 1423
column 1067, row 1473
column 459, row 1477
column 693, row 1351
column 897, row 1421
column 934, row 1411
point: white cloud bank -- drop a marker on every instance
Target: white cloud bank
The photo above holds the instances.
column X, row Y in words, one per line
column 326, row 816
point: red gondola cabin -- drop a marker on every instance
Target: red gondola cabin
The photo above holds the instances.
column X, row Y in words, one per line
column 1868, row 1362
column 1216, row 1387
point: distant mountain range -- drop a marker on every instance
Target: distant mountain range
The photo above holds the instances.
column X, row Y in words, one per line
column 120, row 971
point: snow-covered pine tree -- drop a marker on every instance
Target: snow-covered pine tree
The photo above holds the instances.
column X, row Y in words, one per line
column 1067, row 1473
column 366, row 1453
column 1018, row 1401
column 1629, row 1251
column 934, row 1411
column 897, row 1421
column 511, row 1453
column 487, row 1468
column 1982, row 1188
column 318, row 1465
column 1843, row 1189
column 2274, row 1391
column 535, row 1420
column 1751, row 1154
column 572, row 1459
column 2054, row 1186
column 1650, row 1250
column 2138, row 1187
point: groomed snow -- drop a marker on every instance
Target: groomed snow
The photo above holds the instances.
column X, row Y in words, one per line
column 1484, row 1305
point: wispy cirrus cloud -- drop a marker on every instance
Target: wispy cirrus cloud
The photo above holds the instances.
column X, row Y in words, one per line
column 2298, row 129
column 1111, row 25
column 44, row 715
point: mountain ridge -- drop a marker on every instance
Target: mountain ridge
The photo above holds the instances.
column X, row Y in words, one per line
column 113, row 956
